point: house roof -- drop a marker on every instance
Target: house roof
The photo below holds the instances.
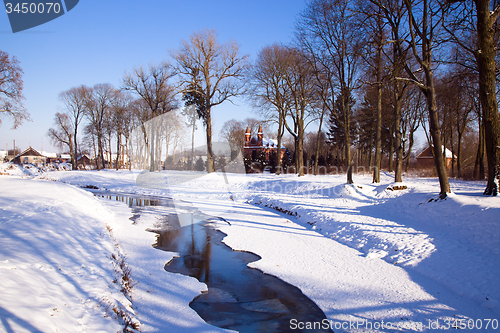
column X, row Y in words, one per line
column 49, row 155
column 30, row 151
column 82, row 156
column 427, row 153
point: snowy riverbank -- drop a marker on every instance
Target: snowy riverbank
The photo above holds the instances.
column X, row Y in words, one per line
column 363, row 253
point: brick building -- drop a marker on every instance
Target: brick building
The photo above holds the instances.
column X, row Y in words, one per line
column 425, row 160
column 254, row 148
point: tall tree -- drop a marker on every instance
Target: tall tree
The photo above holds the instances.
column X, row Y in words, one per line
column 121, row 117
column 11, row 90
column 269, row 90
column 62, row 134
column 327, row 29
column 97, row 110
column 300, row 81
column 373, row 14
column 393, row 13
column 336, row 127
column 75, row 103
column 424, row 19
column 485, row 56
column 473, row 24
column 210, row 75
column 152, row 86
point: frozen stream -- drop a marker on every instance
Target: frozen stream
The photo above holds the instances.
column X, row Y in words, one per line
column 238, row 298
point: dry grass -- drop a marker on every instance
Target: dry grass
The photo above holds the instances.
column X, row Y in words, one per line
column 114, row 308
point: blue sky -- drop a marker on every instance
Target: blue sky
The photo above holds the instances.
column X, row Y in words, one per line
column 99, row 40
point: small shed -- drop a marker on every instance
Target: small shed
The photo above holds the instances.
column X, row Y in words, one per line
column 83, row 161
column 29, row 155
column 425, row 160
column 65, row 158
column 50, row 157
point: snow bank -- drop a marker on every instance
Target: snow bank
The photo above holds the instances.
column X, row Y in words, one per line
column 55, row 260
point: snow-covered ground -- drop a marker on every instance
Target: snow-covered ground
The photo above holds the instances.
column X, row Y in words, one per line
column 371, row 258
column 55, row 267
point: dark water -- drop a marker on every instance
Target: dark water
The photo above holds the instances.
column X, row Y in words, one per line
column 238, row 298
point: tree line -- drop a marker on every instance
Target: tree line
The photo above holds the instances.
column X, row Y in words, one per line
column 402, row 63
column 205, row 73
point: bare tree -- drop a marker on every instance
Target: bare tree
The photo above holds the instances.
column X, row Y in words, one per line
column 374, row 16
column 210, row 73
column 411, row 115
column 473, row 25
column 97, row 110
column 159, row 97
column 11, row 90
column 269, row 91
column 121, row 117
column 424, row 19
column 393, row 13
column 233, row 131
column 485, row 56
column 328, row 31
column 300, row 81
column 75, row 102
column 62, row 134
column 457, row 110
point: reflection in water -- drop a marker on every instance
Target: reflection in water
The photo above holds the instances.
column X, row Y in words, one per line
column 238, row 298
column 135, row 200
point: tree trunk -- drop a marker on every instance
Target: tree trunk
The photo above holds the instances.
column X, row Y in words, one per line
column 397, row 130
column 74, row 165
column 348, row 159
column 391, row 148
column 410, row 147
column 210, row 154
column 459, row 155
column 485, row 57
column 316, row 156
column 436, row 135
column 479, row 163
column 118, row 147
column 278, row 151
column 378, row 136
column 347, row 129
column 100, row 148
column 72, row 152
column 300, row 148
column 191, row 160
column 452, row 155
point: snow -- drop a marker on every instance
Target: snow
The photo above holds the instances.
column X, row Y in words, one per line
column 363, row 253
column 54, row 259
column 271, row 143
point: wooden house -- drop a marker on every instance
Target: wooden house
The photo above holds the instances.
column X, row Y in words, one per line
column 83, row 161
column 31, row 156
